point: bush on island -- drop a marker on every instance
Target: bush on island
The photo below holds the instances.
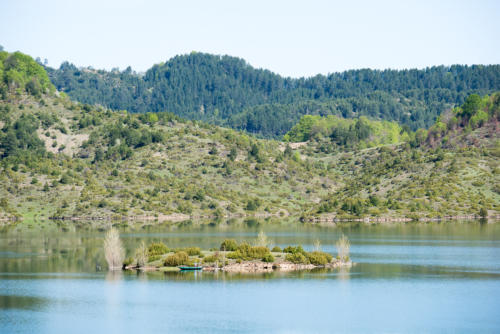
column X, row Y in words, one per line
column 176, row 259
column 211, row 258
column 247, row 252
column 191, row 251
column 319, row 258
column 268, row 258
column 229, row 245
column 296, row 258
column 294, row 250
column 157, row 248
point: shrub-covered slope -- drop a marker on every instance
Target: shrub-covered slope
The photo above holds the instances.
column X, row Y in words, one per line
column 66, row 159
column 333, row 132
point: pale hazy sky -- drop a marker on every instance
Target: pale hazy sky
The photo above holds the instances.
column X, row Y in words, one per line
column 293, row 38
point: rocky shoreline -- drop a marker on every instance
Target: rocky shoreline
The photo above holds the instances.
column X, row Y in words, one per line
column 179, row 217
column 258, row 267
column 334, row 219
column 253, row 267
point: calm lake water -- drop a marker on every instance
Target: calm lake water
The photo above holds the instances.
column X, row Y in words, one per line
column 408, row 278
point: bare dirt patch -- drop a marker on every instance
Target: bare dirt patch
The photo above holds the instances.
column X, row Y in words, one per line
column 66, row 143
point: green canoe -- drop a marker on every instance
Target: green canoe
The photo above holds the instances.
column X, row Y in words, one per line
column 190, row 267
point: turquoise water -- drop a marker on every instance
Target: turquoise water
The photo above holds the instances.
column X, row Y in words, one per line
column 408, row 278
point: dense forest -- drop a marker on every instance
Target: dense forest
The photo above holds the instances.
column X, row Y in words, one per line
column 227, row 91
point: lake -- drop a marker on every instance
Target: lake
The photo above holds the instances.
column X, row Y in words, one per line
column 412, row 278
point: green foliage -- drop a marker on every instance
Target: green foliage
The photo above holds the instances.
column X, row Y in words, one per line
column 226, row 90
column 350, row 133
column 474, row 113
column 65, row 179
column 247, row 252
column 419, row 138
column 105, row 171
column 191, row 251
column 253, row 204
column 268, row 258
column 294, row 250
column 478, row 119
column 276, row 249
column 153, row 258
column 297, row 258
column 212, row 258
column 20, row 137
column 483, row 212
column 233, row 153
column 319, row 258
column 354, row 206
column 228, row 245
column 470, row 106
column 176, row 259
column 20, row 72
column 302, row 130
column 157, row 248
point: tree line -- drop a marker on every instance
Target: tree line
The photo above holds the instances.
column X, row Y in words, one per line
column 225, row 90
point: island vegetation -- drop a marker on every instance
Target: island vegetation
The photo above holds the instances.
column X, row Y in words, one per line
column 230, row 256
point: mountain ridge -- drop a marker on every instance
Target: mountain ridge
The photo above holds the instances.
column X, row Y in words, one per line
column 227, row 91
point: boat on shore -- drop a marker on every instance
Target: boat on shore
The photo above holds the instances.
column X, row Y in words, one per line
column 190, row 267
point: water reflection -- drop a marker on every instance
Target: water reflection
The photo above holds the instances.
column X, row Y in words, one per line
column 408, row 278
column 114, row 276
column 455, row 249
column 9, row 302
column 344, row 273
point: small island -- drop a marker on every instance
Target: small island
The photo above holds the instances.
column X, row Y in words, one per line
column 228, row 257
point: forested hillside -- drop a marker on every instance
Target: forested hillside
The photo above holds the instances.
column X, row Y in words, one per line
column 59, row 158
column 227, row 91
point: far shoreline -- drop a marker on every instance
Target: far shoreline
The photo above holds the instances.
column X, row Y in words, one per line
column 315, row 219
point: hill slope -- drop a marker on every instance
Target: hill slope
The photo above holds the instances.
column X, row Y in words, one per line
column 227, row 91
column 66, row 159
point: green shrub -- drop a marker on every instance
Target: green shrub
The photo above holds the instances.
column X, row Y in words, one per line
column 483, row 212
column 229, row 245
column 211, row 258
column 296, row 258
column 253, row 204
column 268, row 258
column 294, row 250
column 247, row 252
column 191, row 251
column 157, row 248
column 319, row 258
column 276, row 249
column 65, row 179
column 176, row 259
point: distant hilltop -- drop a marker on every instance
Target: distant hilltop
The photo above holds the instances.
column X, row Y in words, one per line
column 225, row 90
